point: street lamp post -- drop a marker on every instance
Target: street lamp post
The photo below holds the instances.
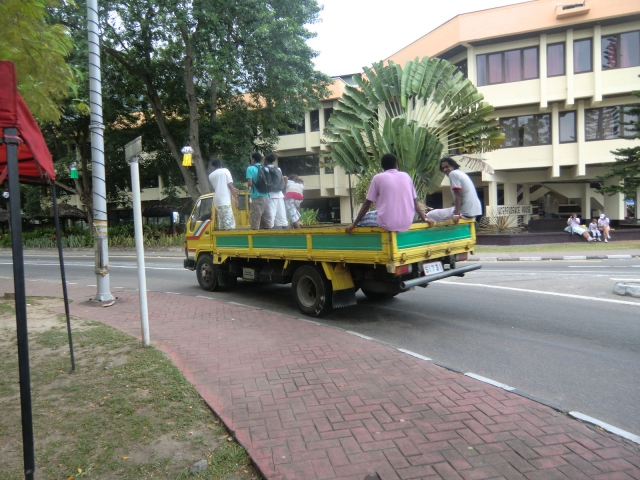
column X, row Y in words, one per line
column 97, row 158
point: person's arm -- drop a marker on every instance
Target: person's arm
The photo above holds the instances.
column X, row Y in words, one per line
column 234, row 193
column 363, row 210
column 419, row 210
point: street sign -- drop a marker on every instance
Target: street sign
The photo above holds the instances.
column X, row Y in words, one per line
column 133, row 148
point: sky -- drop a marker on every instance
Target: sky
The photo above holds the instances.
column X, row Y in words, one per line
column 352, row 34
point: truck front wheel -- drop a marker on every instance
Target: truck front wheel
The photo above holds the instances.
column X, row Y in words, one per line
column 207, row 274
column 311, row 291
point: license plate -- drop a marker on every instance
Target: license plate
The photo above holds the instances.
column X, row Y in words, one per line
column 432, row 268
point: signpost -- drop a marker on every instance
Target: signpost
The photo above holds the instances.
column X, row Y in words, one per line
column 131, row 152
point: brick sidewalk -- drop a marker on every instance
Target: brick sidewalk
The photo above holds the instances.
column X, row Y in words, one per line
column 312, row 402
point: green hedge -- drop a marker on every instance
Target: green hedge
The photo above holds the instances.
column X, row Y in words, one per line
column 120, row 236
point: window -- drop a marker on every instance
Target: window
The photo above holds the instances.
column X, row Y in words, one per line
column 582, row 56
column 526, row 130
column 293, row 129
column 555, row 59
column 607, row 123
column 567, row 124
column 462, row 67
column 300, row 165
column 315, row 120
column 509, row 66
column 327, row 115
column 621, row 51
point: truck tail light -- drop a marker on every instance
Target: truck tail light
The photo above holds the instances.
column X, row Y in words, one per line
column 463, row 256
column 403, row 269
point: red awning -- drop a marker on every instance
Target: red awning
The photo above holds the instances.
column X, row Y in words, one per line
column 34, row 160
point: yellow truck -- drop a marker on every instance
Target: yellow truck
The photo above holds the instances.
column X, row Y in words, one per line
column 325, row 265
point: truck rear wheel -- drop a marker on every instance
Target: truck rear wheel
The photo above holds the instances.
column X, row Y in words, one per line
column 311, row 291
column 207, row 274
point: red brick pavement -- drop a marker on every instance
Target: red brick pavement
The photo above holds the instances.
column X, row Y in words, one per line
column 312, row 402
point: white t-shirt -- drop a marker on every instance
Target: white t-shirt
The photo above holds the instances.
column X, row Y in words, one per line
column 603, row 221
column 470, row 206
column 278, row 194
column 220, row 179
column 574, row 222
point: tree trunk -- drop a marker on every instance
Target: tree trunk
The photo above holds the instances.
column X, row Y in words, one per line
column 158, row 113
column 194, row 121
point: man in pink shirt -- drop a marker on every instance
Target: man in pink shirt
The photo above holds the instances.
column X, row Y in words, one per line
column 395, row 198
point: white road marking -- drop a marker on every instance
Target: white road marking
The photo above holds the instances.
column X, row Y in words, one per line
column 540, row 292
column 490, row 382
column 414, row 354
column 606, row 426
column 91, row 265
column 359, row 335
column 625, row 279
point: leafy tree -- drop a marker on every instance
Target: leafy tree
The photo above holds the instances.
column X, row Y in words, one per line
column 69, row 139
column 412, row 113
column 627, row 166
column 223, row 76
column 38, row 48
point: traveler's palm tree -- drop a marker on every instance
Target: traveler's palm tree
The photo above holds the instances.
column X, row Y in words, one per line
column 416, row 113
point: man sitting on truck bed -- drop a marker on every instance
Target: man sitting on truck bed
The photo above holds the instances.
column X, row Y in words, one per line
column 259, row 208
column 395, row 197
column 465, row 198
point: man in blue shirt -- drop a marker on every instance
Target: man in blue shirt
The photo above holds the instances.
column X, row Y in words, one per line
column 259, row 208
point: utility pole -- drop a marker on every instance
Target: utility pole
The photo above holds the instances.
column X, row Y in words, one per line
column 96, row 126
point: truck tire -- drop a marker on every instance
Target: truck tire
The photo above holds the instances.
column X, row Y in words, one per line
column 377, row 296
column 207, row 274
column 311, row 291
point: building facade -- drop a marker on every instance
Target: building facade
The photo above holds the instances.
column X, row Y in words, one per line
column 556, row 75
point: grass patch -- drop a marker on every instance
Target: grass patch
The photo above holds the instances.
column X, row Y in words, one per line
column 586, row 247
column 126, row 413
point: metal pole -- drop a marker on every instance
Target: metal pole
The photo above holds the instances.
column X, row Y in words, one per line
column 137, row 222
column 62, row 273
column 350, row 196
column 21, row 302
column 97, row 157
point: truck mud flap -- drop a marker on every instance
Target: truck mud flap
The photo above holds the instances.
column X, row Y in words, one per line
column 189, row 264
column 343, row 298
column 455, row 272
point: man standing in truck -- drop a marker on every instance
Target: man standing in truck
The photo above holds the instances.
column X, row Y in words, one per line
column 222, row 184
column 395, row 197
column 259, row 208
column 466, row 203
column 277, row 211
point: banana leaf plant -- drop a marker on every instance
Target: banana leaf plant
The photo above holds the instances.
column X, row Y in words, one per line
column 418, row 113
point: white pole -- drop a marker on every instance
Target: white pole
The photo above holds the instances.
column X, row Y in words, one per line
column 137, row 222
column 97, row 157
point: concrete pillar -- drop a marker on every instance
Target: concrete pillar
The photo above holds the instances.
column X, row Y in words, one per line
column 580, row 137
column 586, row 203
column 614, row 207
column 492, row 200
column 471, row 65
column 597, row 64
column 543, row 71
column 569, row 68
column 447, row 198
column 555, row 141
column 510, row 194
column 345, row 210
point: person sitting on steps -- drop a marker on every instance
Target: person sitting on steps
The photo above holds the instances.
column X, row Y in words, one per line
column 573, row 223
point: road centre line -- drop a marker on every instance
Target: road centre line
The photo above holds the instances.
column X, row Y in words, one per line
column 540, row 292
